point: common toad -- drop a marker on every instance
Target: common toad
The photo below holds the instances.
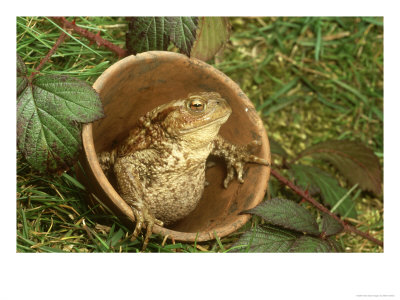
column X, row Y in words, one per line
column 160, row 167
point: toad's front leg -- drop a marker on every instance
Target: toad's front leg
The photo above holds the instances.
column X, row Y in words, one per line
column 131, row 191
column 236, row 157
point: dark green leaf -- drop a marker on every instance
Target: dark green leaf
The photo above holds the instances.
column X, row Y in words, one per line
column 311, row 244
column 356, row 162
column 276, row 148
column 21, row 68
column 146, row 34
column 288, row 214
column 49, row 113
column 265, row 239
column 22, row 80
column 330, row 226
column 182, row 32
column 212, row 34
column 334, row 244
column 331, row 191
column 116, row 237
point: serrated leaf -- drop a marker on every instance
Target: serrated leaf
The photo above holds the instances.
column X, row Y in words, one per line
column 49, row 113
column 265, row 239
column 355, row 161
column 288, row 214
column 330, row 226
column 311, row 244
column 22, row 80
column 211, row 36
column 276, row 148
column 334, row 244
column 330, row 189
column 182, row 32
column 146, row 34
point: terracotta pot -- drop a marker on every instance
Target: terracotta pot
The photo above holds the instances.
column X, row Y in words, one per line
column 137, row 84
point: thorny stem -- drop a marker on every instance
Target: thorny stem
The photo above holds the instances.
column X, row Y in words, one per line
column 322, row 208
column 49, row 54
column 95, row 38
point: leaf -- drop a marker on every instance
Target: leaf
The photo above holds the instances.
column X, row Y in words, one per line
column 276, row 148
column 182, row 32
column 334, row 244
column 22, row 80
column 330, row 226
column 288, row 214
column 212, row 34
column 49, row 112
column 330, row 189
column 146, row 34
column 356, row 162
column 312, row 244
column 265, row 239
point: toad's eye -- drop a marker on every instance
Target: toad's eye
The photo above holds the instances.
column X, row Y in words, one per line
column 197, row 105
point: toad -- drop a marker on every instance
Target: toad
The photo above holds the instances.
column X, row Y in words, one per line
column 160, row 167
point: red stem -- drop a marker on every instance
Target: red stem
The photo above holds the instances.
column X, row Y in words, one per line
column 322, row 208
column 49, row 54
column 95, row 38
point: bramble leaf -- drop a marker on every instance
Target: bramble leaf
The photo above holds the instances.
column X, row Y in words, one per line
column 265, row 239
column 356, row 162
column 312, row 244
column 330, row 226
column 211, row 36
column 276, row 148
column 288, row 214
column 331, row 191
column 146, row 34
column 49, row 112
column 22, row 80
column 182, row 32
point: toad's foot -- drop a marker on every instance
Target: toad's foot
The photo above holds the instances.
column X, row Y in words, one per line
column 144, row 217
column 236, row 157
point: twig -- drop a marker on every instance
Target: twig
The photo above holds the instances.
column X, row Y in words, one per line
column 305, row 69
column 322, row 208
column 94, row 38
column 49, row 54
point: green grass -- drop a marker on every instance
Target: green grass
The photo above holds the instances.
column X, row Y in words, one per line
column 311, row 79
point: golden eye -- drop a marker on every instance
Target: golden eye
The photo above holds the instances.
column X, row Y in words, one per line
column 197, row 105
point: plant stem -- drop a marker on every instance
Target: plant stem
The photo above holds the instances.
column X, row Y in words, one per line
column 95, row 38
column 59, row 41
column 322, row 208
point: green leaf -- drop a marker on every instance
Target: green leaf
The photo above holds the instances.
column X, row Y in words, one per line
column 146, row 34
column 265, row 239
column 49, row 112
column 22, row 80
column 331, row 191
column 330, row 226
column 356, row 162
column 116, row 237
column 212, row 34
column 276, row 148
column 182, row 32
column 268, row 238
column 334, row 244
column 288, row 214
column 312, row 244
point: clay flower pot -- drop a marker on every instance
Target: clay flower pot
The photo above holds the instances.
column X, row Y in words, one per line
column 137, row 84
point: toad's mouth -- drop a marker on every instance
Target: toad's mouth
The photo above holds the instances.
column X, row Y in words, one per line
column 221, row 120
